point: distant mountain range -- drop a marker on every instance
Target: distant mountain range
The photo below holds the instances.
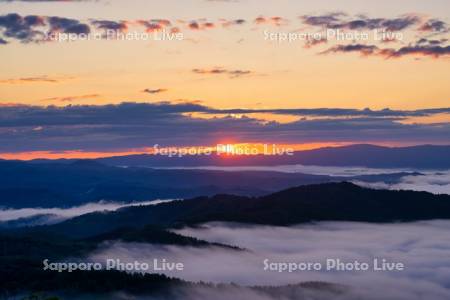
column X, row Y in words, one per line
column 420, row 157
column 56, row 184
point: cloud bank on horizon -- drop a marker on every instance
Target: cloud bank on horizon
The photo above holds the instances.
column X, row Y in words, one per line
column 141, row 125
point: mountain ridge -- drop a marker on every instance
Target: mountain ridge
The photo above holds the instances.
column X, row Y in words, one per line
column 361, row 155
column 310, row 203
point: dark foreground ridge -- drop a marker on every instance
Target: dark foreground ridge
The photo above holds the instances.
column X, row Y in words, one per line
column 322, row 202
column 115, row 285
column 23, row 250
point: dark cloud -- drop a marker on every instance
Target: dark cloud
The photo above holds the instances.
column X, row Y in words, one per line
column 134, row 125
column 110, row 25
column 33, row 28
column 29, row 80
column 342, row 21
column 428, row 50
column 215, row 71
column 65, row 25
column 154, row 91
column 326, row 20
column 425, row 41
column 359, row 48
column 71, row 98
column 396, row 24
column 201, row 25
column 434, row 25
column 422, row 48
column 194, row 25
column 22, row 28
column 338, row 112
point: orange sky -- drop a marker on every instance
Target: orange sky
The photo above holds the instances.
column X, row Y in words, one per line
column 225, row 64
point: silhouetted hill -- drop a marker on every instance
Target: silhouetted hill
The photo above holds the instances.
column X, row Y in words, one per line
column 106, row 285
column 22, row 255
column 41, row 244
column 322, row 202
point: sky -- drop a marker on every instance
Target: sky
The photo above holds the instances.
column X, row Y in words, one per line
column 223, row 72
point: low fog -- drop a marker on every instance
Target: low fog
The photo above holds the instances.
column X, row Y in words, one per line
column 60, row 214
column 313, row 170
column 423, row 247
column 433, row 182
column 437, row 182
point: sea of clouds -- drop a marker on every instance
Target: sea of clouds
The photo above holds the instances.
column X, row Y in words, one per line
column 423, row 247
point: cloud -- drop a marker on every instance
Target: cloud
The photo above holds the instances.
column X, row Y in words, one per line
column 155, row 24
column 55, row 215
column 434, row 25
column 23, row 80
column 422, row 247
column 155, row 91
column 429, row 50
column 34, row 28
column 339, row 112
column 342, row 21
column 110, row 25
column 22, row 28
column 276, row 21
column 430, row 181
column 364, row 50
column 314, row 42
column 217, row 71
column 326, row 20
column 71, row 98
column 66, row 25
column 136, row 125
column 200, row 25
column 425, row 41
column 228, row 23
column 422, row 47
